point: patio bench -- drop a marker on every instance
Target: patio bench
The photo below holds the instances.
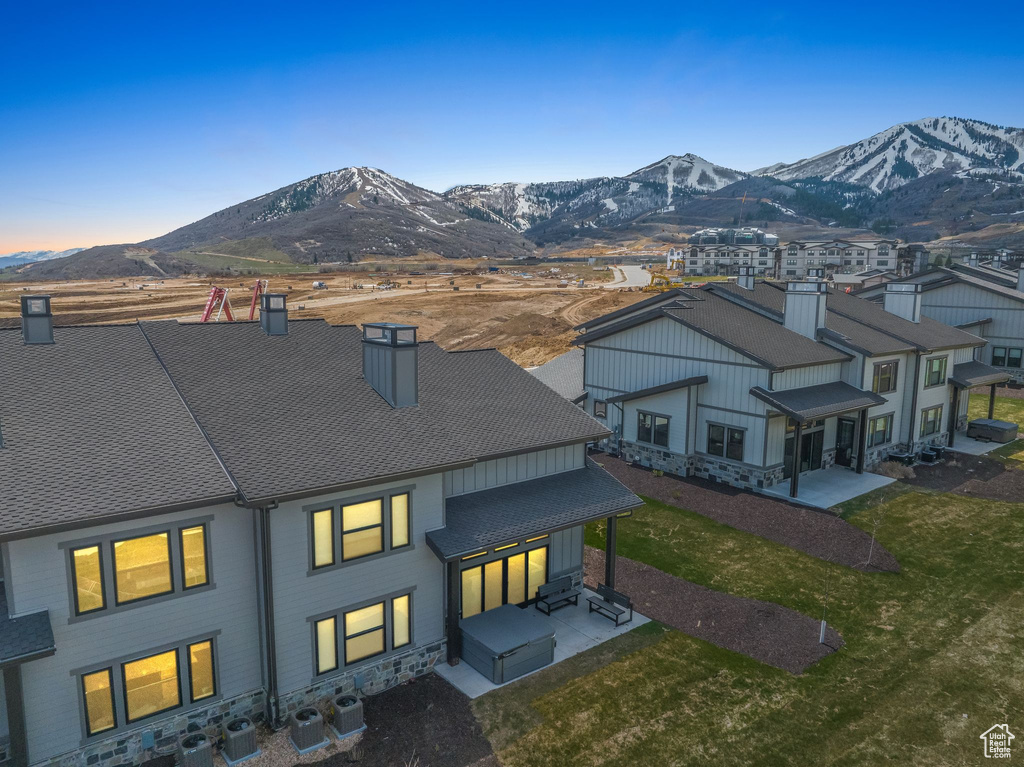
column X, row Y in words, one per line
column 611, row 604
column 558, row 593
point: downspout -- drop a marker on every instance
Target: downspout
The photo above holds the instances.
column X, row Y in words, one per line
column 913, row 402
column 270, row 642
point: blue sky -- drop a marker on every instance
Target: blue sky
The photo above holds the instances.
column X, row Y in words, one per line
column 122, row 122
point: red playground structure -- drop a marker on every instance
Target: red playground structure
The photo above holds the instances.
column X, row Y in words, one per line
column 219, row 302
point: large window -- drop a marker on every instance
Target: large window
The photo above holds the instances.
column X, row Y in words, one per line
column 142, row 567
column 323, row 537
column 652, row 429
column 202, row 683
column 884, row 379
column 510, row 580
column 364, row 633
column 193, row 557
column 726, row 442
column 880, row 430
column 931, row 420
column 400, row 521
column 1003, row 356
column 401, row 631
column 87, row 577
column 362, row 529
column 151, row 685
column 98, row 692
column 935, row 371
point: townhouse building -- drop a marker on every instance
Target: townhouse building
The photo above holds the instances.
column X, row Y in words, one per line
column 847, row 256
column 723, row 259
column 199, row 521
column 758, row 383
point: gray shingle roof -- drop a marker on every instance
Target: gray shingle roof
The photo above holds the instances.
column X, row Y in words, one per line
column 292, row 415
column 93, row 428
column 29, row 636
column 659, row 389
column 513, row 512
column 564, row 374
column 973, row 373
column 820, row 401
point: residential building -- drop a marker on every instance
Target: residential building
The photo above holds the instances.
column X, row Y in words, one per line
column 989, row 305
column 199, row 521
column 746, row 235
column 839, row 255
column 758, row 383
column 718, row 260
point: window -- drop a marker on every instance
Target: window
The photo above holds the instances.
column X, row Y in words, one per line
column 600, row 409
column 999, row 356
column 193, row 557
column 884, row 379
column 151, row 685
column 931, row 420
column 323, row 538
column 362, row 526
column 734, row 447
column 364, row 633
column 87, row 577
column 652, row 429
column 883, row 262
column 790, row 262
column 726, row 442
column 400, row 629
column 880, row 430
column 98, row 692
column 326, row 638
column 142, row 567
column 399, row 520
column 935, row 371
column 200, row 670
column 1013, row 357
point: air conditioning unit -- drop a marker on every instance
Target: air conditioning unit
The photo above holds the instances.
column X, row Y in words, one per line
column 347, row 716
column 307, row 730
column 239, row 741
column 195, row 750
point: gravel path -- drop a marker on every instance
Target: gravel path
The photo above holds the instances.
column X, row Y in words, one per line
column 817, row 533
column 765, row 631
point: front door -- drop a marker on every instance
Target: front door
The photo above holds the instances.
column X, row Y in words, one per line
column 845, row 430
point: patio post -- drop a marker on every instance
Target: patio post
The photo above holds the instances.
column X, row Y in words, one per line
column 609, row 552
column 454, row 644
column 862, row 440
column 991, row 401
column 954, row 406
column 794, row 479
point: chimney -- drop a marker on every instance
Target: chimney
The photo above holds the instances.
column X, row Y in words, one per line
column 972, row 260
column 274, row 314
column 816, row 274
column 903, row 299
column 391, row 362
column 1020, row 278
column 746, row 278
column 36, row 320
column 804, row 310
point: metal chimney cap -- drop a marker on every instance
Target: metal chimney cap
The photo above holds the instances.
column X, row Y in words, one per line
column 273, row 302
column 389, row 333
column 806, row 287
column 35, row 306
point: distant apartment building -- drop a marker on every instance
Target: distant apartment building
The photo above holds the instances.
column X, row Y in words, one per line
column 723, row 260
column 844, row 256
column 746, row 235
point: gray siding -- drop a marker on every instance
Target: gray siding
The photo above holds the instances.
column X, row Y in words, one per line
column 40, row 580
column 565, row 554
column 299, row 596
column 516, row 468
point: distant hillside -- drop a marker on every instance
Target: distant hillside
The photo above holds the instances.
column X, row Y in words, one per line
column 30, row 256
column 108, row 261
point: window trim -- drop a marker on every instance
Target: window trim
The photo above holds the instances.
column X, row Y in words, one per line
column 312, row 538
column 654, row 427
column 383, row 628
column 85, row 700
column 938, row 421
column 876, row 377
column 316, row 646
column 124, row 684
column 927, row 372
column 391, row 521
column 170, row 565
column 206, row 555
column 1005, row 356
column 74, row 579
column 890, row 417
column 213, row 670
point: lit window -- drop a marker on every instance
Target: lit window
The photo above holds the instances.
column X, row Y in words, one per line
column 87, row 573
column 98, row 690
column 326, row 645
column 151, row 685
column 200, row 670
column 323, row 538
column 399, row 520
column 364, row 633
column 507, row 546
column 537, row 574
column 193, row 556
column 400, row 634
column 142, row 567
column 362, row 529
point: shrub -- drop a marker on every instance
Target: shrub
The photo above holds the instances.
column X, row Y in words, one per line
column 895, row 470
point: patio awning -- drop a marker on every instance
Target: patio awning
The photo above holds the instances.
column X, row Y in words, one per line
column 510, row 513
column 24, row 638
column 809, row 403
column 671, row 386
column 969, row 374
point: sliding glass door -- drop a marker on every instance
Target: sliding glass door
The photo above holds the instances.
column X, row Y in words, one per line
column 511, row 580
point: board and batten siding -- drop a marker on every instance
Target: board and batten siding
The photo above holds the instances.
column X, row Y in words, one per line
column 674, row 404
column 39, row 568
column 300, row 595
column 811, row 375
column 515, row 468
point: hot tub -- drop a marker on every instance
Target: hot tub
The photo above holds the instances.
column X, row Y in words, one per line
column 992, row 430
column 507, row 642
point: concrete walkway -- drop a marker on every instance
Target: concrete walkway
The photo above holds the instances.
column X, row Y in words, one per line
column 576, row 630
column 828, row 488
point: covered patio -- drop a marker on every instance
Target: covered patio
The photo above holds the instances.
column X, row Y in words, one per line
column 826, row 488
column 967, row 376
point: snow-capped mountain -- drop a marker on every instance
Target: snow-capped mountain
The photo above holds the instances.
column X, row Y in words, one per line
column 31, row 256
column 910, row 150
column 687, row 174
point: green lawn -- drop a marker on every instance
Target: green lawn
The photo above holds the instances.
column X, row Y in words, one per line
column 924, row 648
column 1006, row 409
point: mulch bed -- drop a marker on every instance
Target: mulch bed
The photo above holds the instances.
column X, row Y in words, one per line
column 977, row 476
column 813, row 532
column 765, row 631
column 425, row 722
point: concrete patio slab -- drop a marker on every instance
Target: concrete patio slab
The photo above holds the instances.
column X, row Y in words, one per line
column 824, row 489
column 576, row 630
column 964, row 444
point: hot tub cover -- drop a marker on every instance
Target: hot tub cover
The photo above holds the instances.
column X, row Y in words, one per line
column 507, row 628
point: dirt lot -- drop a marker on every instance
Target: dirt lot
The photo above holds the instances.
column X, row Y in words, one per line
column 529, row 319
